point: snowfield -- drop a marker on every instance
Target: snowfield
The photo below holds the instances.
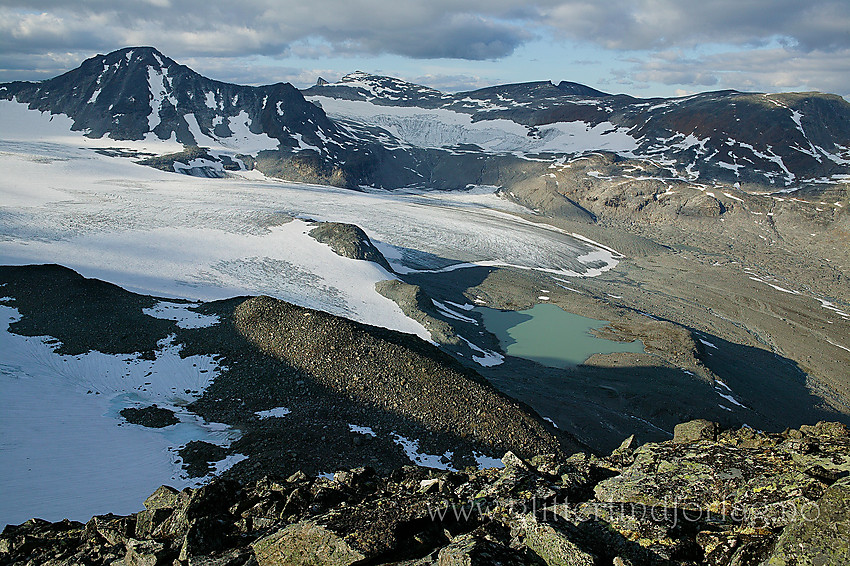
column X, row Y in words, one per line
column 441, row 127
column 64, row 450
column 178, row 236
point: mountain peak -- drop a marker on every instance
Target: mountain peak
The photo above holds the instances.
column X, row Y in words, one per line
column 357, row 76
column 127, row 59
column 383, row 81
column 570, row 87
column 147, row 56
column 361, row 85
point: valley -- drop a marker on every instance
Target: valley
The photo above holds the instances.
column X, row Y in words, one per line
column 332, row 246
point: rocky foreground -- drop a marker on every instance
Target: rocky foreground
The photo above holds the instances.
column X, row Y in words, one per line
column 706, row 497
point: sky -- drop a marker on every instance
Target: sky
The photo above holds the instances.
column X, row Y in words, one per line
column 642, row 47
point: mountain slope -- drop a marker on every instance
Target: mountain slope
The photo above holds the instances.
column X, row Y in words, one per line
column 764, row 141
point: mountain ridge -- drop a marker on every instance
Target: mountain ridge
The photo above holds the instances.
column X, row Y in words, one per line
column 381, row 131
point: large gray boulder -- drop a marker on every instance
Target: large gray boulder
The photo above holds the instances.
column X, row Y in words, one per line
column 820, row 535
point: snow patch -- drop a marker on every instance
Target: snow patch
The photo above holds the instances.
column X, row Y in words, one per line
column 362, row 430
column 450, row 313
column 180, row 313
column 411, row 448
column 277, row 412
column 65, row 418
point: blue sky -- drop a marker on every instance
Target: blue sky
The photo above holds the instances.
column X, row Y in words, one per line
column 640, row 47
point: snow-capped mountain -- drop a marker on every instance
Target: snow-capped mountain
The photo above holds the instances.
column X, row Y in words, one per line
column 381, row 131
column 136, row 93
column 772, row 141
column 140, row 94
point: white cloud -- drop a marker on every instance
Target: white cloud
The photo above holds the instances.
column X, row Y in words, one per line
column 766, row 70
column 769, row 43
column 655, row 24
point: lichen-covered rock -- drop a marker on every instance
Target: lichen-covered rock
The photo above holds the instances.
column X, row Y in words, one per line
column 305, row 544
column 745, row 499
column 694, row 431
column 826, row 430
column 820, row 535
column 146, row 553
column 148, row 520
column 759, row 486
column 164, row 497
column 473, row 549
column 110, row 530
column 519, row 480
column 38, row 541
column 549, row 542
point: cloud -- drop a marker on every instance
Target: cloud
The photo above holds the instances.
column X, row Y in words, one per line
column 659, row 24
column 43, row 35
column 466, row 29
column 191, row 27
column 767, row 70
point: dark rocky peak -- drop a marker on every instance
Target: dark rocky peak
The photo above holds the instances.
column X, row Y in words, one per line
column 513, row 91
column 142, row 56
column 522, row 102
column 129, row 65
column 580, row 89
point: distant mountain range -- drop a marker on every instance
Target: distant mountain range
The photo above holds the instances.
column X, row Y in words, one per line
column 384, row 132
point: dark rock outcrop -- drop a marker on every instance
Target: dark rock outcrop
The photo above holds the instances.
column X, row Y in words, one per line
column 152, row 416
column 413, row 302
column 349, row 240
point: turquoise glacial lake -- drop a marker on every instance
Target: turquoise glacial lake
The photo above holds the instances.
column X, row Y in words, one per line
column 551, row 336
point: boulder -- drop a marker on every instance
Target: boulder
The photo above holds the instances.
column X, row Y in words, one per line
column 306, row 543
column 109, row 529
column 146, row 553
column 820, row 535
column 554, row 547
column 151, row 417
column 694, row 431
column 148, row 520
column 164, row 497
column 473, row 549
